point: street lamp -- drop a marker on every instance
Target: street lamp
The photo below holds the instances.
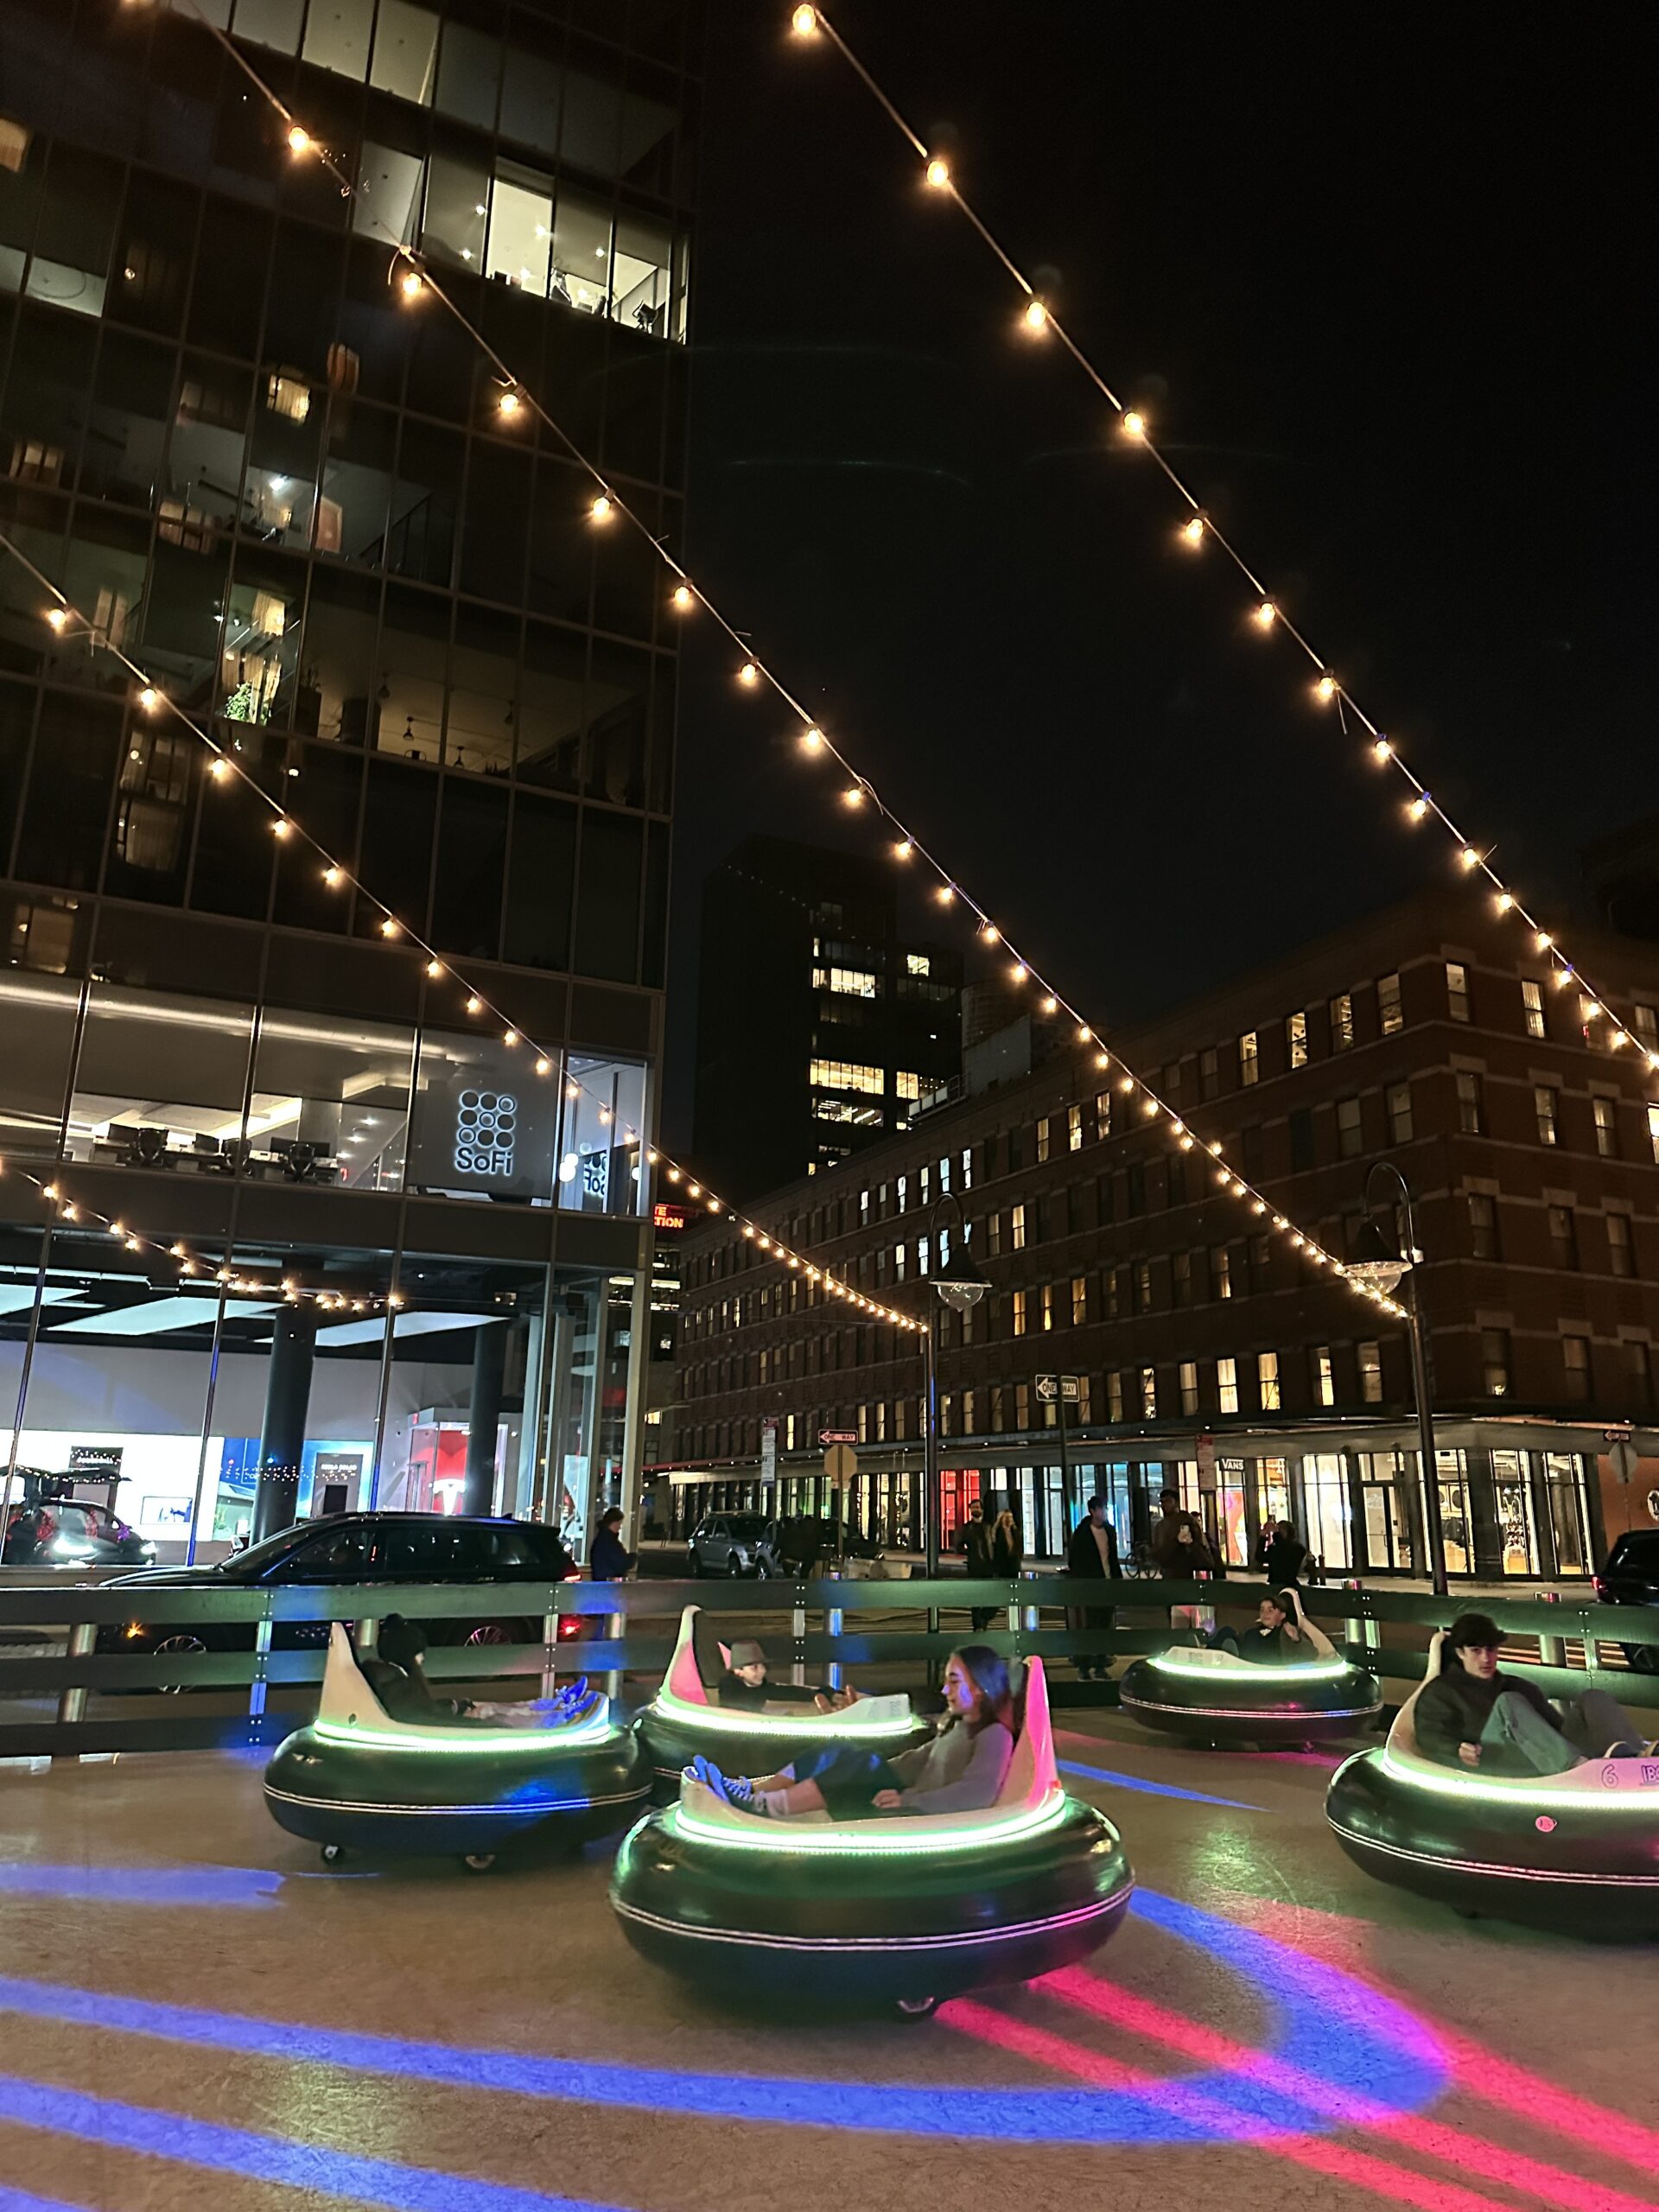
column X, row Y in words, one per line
column 961, row 1286
column 1379, row 1263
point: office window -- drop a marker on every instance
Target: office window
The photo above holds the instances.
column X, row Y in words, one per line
column 1399, row 1105
column 1115, row 1395
column 1494, row 1363
column 993, row 1235
column 899, row 1256
column 1022, row 1405
column 1325, row 1381
column 1639, row 1374
column 901, row 1193
column 1370, row 1374
column 1221, row 1273
column 1348, row 1128
column 1227, row 1385
column 1532, row 1006
column 1047, row 1296
column 1543, row 1105
column 944, row 1177
column 908, row 1085
column 1143, row 1286
column 1181, row 1277
column 1563, row 1238
column 1017, row 1229
column 1074, row 1128
column 1457, row 990
column 1209, row 1072
column 1102, row 1114
column 1575, row 1360
column 1653, row 1130
column 967, row 1167
column 1471, row 1120
column 1042, row 1139
column 1606, row 1116
column 1079, row 1301
column 1296, row 1039
column 1619, row 1244
column 918, row 963
column 1483, row 1226
column 1390, row 1015
column 845, row 982
column 1249, row 1061
column 1019, row 1313
column 1149, row 1393
column 1267, row 1380
column 1189, row 1386
column 924, row 1187
column 1341, row 1021
column 841, row 1075
column 1645, row 1025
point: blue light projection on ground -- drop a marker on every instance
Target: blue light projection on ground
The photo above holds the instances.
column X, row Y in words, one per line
column 24, row 2200
column 161, row 1885
column 1153, row 1788
column 1346, row 2039
column 201, row 2143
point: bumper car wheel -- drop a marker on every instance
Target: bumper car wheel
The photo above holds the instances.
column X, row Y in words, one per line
column 332, row 1853
column 478, row 1862
column 916, row 2008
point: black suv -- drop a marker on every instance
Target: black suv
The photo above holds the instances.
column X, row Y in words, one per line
column 351, row 1547
column 70, row 1532
column 1631, row 1578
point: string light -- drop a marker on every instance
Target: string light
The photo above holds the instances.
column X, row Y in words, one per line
column 1134, row 424
column 281, row 826
column 474, row 1004
column 811, row 740
column 990, row 933
column 219, row 770
column 1191, row 531
column 1326, row 687
column 1036, row 317
column 1469, row 857
column 903, row 850
column 389, row 927
column 434, row 969
column 57, row 616
column 853, row 795
column 299, row 140
column 412, row 284
column 946, row 894
column 544, row 1066
column 682, row 598
column 1418, row 806
column 508, row 403
column 149, row 698
column 1265, row 615
column 938, row 173
column 805, row 22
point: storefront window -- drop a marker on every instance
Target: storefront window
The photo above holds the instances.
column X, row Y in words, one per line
column 1517, row 1533
column 1457, row 1530
column 1569, row 1520
column 1384, row 1477
column 599, row 1143
column 1328, row 1533
column 1229, row 1507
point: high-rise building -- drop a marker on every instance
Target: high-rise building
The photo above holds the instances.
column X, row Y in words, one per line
column 292, row 498
column 820, row 1027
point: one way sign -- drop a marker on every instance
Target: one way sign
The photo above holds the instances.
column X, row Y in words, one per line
column 1056, row 1390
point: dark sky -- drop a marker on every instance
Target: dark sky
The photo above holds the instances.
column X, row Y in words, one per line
column 1378, row 276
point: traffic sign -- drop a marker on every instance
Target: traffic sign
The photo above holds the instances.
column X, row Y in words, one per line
column 768, row 1451
column 1057, row 1389
column 837, row 1436
column 1625, row 1458
column 840, row 1463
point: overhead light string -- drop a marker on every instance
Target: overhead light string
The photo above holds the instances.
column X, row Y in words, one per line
column 1198, row 528
column 753, row 671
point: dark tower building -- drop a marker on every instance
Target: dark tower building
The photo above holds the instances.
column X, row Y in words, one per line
column 268, row 466
column 819, row 1027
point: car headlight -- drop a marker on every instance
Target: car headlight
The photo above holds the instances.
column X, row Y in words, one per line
column 68, row 1547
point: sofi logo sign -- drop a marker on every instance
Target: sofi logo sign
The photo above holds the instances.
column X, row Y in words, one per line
column 487, row 1124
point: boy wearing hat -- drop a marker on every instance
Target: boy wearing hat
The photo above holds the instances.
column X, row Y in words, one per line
column 744, row 1684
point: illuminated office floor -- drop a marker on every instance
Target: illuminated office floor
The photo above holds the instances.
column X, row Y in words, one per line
column 195, row 2017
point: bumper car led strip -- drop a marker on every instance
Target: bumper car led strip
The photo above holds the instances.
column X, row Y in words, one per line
column 868, row 1944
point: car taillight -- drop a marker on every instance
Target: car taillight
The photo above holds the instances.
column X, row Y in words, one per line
column 569, row 1625
column 1599, row 1585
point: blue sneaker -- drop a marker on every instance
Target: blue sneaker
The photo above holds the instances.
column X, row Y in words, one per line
column 702, row 1770
column 738, row 1790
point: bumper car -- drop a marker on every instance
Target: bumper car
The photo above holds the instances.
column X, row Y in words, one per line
column 683, row 1718
column 884, row 1912
column 359, row 1780
column 1578, row 1852
column 1213, row 1697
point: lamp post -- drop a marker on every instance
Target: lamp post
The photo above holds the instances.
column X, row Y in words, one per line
column 1379, row 1263
column 960, row 1285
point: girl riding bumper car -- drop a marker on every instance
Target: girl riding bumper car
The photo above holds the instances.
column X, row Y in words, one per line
column 850, row 1890
column 366, row 1776
column 1254, row 1689
column 706, row 1709
column 1576, row 1848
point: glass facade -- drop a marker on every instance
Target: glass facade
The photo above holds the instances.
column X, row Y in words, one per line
column 284, row 488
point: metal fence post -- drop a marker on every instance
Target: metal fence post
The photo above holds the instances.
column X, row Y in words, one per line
column 616, row 1626
column 72, row 1703
column 258, row 1686
column 832, row 1626
column 364, row 1635
column 549, row 1654
column 1361, row 1628
column 1552, row 1649
column 798, row 1630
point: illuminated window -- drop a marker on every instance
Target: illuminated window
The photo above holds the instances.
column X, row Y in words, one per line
column 1048, row 1306
column 1017, row 1230
column 1607, row 1114
column 1495, row 1362
column 900, row 1193
column 1296, row 1039
column 1341, row 1021
column 1457, row 990
column 1325, row 1381
column 1222, row 1273
column 1267, row 1380
column 1079, row 1301
column 1042, row 1138
column 1543, row 1105
column 907, row 1085
column 1115, row 1395
column 918, row 963
column 1074, row 1128
column 1102, row 1114
column 1227, row 1385
column 899, row 1263
column 287, row 393
column 1250, row 1058
column 967, row 1167
column 1532, row 1004
column 944, row 1176
column 842, row 1074
column 1022, row 1405
column 1370, row 1374
column 1019, row 1313
column 1189, row 1386
column 1149, row 1393
column 849, row 982
column 1653, row 1130
column 1390, row 1015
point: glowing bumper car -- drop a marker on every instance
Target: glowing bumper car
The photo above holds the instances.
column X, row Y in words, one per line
column 882, row 1911
column 683, row 1719
column 357, row 1780
column 1578, row 1852
column 1211, row 1697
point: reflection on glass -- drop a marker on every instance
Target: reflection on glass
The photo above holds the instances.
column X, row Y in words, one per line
column 37, row 1016
column 599, row 1143
column 330, row 1099
column 1517, row 1534
column 161, row 1074
column 484, row 1122
column 1568, row 1519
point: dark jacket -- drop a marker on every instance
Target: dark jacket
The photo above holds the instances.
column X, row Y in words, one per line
column 1456, row 1706
column 1267, row 1647
column 611, row 1559
column 1175, row 1561
column 1285, row 1558
column 1007, row 1554
column 1083, row 1553
column 977, row 1543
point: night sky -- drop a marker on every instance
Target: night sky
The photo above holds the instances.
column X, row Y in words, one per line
column 1377, row 275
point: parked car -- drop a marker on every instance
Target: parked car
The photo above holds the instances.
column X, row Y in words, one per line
column 1631, row 1578
column 352, row 1547
column 725, row 1543
column 792, row 1547
column 69, row 1532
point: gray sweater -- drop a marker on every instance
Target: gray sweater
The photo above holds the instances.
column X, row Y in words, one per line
column 959, row 1771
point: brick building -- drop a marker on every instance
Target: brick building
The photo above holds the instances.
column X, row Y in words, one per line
column 1212, row 1353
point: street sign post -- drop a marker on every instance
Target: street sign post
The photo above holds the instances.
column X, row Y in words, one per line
column 837, row 1436
column 768, row 1451
column 1622, row 1454
column 1061, row 1391
column 841, row 1464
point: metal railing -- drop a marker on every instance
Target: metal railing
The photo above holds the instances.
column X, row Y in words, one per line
column 44, row 1693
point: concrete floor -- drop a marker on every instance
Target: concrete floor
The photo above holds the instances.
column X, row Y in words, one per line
column 180, row 1981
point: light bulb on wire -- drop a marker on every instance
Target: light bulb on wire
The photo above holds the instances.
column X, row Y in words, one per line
column 683, row 599
column 1193, row 531
column 1036, row 315
column 1134, row 424
column 1265, row 615
column 299, row 139
column 938, row 173
column 805, row 22
column 602, row 510
column 412, row 284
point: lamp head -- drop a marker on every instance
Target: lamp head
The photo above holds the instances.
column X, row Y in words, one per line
column 1377, row 1261
column 961, row 1285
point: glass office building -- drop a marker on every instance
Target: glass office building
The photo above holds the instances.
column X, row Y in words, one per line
column 283, row 486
